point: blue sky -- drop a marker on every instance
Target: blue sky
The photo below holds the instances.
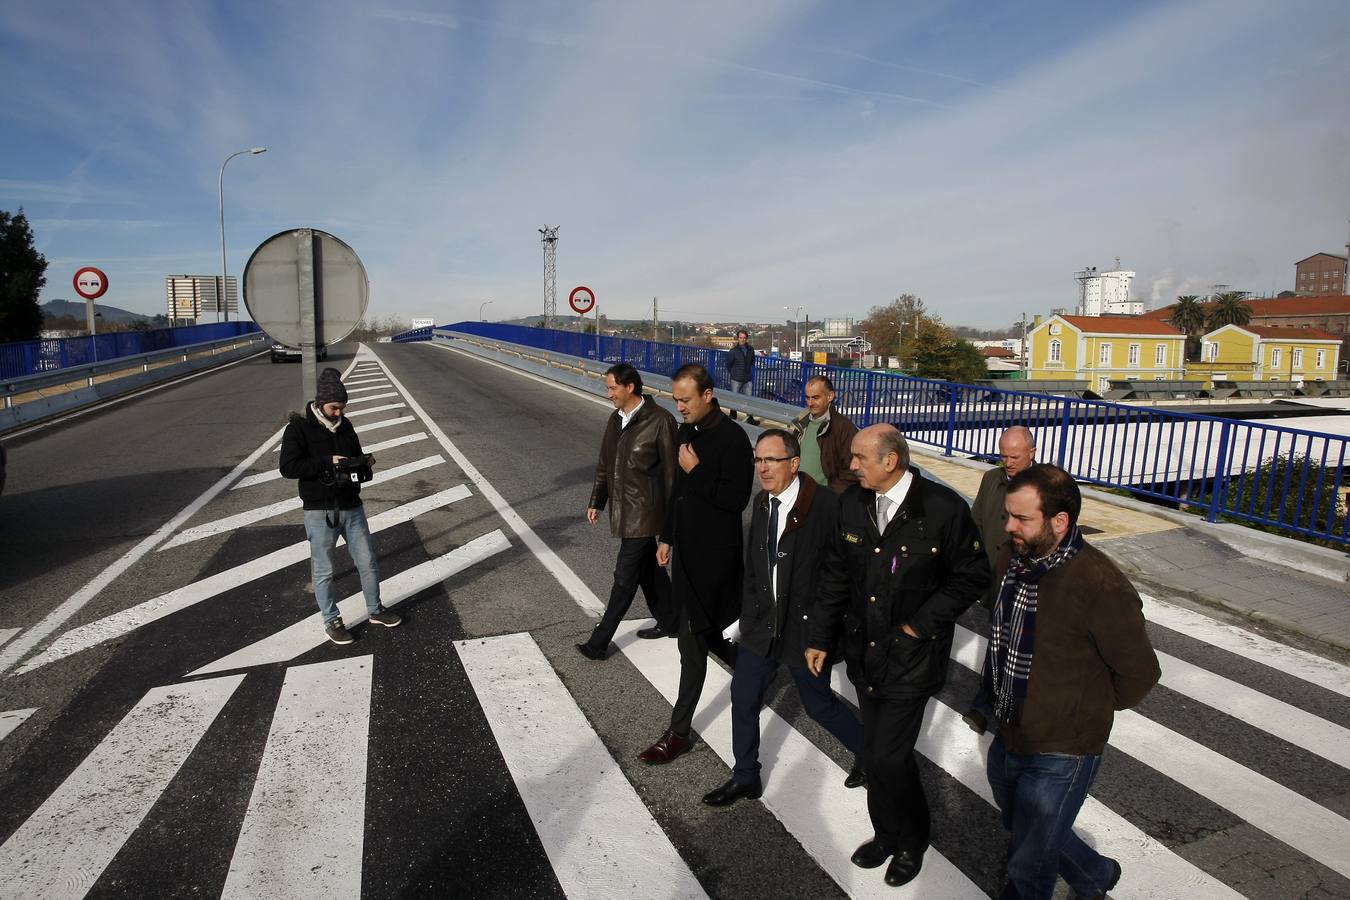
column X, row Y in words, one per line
column 728, row 158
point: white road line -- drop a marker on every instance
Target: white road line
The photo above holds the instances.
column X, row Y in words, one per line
column 13, row 719
column 252, row 516
column 575, row 587
column 1292, row 661
column 371, row 426
column 598, row 833
column 290, row 642
column 274, row 474
column 14, row 651
column 306, row 822
column 129, row 620
column 1284, row 814
column 364, row 390
column 366, row 380
column 1152, row 871
column 61, row 849
column 7, row 633
column 373, row 409
column 803, row 787
column 384, row 396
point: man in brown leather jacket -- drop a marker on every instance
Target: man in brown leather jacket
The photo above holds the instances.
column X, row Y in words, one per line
column 634, row 477
column 826, row 436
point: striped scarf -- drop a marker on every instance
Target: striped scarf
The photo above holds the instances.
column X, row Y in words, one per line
column 1012, row 633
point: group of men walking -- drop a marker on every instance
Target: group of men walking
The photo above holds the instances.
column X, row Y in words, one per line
column 852, row 553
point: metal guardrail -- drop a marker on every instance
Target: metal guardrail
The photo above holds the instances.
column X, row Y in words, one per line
column 31, row 398
column 1251, row 472
column 21, row 358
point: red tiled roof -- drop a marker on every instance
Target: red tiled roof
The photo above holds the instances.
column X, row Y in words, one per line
column 997, row 353
column 1121, row 325
column 1336, row 304
column 1286, row 332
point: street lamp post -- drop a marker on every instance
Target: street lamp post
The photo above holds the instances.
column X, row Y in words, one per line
column 672, row 333
column 480, row 308
column 222, row 298
column 796, row 325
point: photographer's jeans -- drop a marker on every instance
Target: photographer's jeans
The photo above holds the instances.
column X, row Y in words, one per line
column 322, row 542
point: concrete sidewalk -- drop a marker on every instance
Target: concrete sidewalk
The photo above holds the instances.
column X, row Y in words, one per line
column 1292, row 585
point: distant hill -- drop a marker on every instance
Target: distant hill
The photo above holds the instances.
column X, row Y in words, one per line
column 57, row 308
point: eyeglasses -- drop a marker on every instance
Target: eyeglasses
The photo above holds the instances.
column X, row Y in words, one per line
column 765, row 460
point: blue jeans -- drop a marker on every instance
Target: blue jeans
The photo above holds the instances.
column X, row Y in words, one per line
column 740, row 387
column 748, row 684
column 323, row 540
column 1040, row 795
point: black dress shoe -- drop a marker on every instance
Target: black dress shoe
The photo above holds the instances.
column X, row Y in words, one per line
column 732, row 791
column 976, row 720
column 586, row 650
column 856, row 776
column 903, row 868
column 871, row 854
column 656, row 631
column 1115, row 879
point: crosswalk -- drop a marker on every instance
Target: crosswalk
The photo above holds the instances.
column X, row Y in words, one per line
column 312, row 813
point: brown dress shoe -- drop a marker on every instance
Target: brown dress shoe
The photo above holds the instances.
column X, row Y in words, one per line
column 669, row 746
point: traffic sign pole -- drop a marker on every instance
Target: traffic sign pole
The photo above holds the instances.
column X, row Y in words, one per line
column 309, row 357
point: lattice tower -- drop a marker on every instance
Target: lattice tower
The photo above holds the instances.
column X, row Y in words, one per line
column 550, row 241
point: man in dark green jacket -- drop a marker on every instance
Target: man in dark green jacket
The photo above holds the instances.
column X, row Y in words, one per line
column 1067, row 648
column 905, row 562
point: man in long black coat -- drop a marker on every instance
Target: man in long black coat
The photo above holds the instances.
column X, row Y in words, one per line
column 702, row 543
column 794, row 519
column 905, row 562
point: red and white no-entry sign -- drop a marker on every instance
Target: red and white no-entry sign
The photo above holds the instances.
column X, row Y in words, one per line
column 582, row 299
column 91, row 283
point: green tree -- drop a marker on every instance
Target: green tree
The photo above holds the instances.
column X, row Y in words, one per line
column 889, row 326
column 1228, row 309
column 1312, row 502
column 23, row 273
column 935, row 352
column 1188, row 314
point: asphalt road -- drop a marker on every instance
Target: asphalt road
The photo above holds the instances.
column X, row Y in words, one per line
column 441, row 805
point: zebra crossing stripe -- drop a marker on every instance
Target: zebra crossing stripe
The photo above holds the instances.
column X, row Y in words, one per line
column 7, row 633
column 1152, row 870
column 1301, row 664
column 251, row 516
column 13, row 719
column 374, row 409
column 379, row 385
column 129, row 620
column 304, row 636
column 370, row 426
column 803, row 787
column 306, row 821
column 566, row 776
column 63, row 848
column 1286, row 815
column 366, row 379
column 274, row 474
column 386, row 395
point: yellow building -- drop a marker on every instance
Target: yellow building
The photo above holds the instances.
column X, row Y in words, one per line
column 1100, row 349
column 1269, row 353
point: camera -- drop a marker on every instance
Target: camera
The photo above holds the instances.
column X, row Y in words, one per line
column 354, row 468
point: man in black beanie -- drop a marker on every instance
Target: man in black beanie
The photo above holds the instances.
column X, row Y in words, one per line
column 319, row 449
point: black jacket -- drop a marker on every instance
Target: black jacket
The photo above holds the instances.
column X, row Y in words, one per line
column 924, row 571
column 704, row 520
column 741, row 363
column 307, row 451
column 776, row 625
column 636, row 471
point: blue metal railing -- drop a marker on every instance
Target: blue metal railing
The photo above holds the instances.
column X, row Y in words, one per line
column 31, row 357
column 1268, row 475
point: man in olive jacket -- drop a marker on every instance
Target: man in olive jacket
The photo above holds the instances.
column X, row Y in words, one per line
column 793, row 520
column 634, row 478
column 702, row 543
column 1067, row 649
column 827, row 437
column 905, row 562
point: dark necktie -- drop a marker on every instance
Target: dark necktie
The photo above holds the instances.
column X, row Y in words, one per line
column 773, row 533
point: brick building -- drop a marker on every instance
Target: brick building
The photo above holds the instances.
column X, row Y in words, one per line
column 1320, row 275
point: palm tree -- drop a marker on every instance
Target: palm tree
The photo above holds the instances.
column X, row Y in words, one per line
column 1229, row 310
column 1188, row 315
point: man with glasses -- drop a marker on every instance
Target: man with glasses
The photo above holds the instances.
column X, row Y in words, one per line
column 793, row 521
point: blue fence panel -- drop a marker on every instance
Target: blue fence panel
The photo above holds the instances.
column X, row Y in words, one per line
column 22, row 358
column 1250, row 471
